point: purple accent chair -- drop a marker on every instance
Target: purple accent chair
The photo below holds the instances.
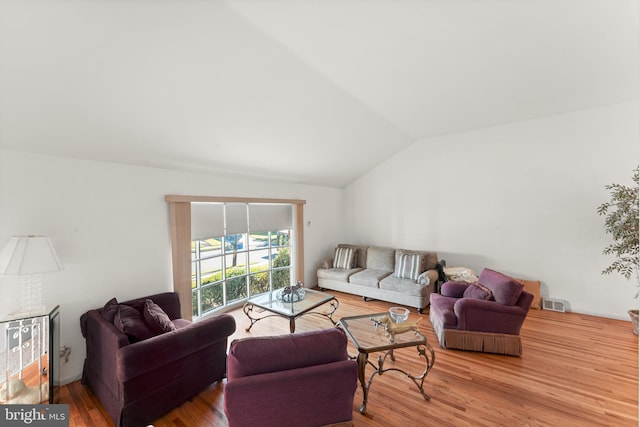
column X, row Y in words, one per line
column 302, row 379
column 141, row 381
column 484, row 316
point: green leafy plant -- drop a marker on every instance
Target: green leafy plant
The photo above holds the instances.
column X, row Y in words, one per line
column 621, row 222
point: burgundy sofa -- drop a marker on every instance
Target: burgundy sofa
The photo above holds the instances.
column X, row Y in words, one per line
column 483, row 316
column 302, row 379
column 137, row 381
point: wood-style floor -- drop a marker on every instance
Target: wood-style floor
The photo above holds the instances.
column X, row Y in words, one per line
column 576, row 370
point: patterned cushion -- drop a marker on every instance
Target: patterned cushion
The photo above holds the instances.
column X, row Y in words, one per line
column 344, row 258
column 409, row 266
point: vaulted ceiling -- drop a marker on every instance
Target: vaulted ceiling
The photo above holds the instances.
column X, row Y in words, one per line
column 307, row 91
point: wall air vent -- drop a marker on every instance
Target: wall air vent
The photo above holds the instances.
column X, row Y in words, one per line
column 553, row 304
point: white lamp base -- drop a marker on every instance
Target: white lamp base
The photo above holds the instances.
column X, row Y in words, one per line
column 31, row 294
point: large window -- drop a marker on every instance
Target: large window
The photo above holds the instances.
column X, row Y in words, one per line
column 233, row 249
column 238, row 250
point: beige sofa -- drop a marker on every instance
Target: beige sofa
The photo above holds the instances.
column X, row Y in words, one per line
column 405, row 277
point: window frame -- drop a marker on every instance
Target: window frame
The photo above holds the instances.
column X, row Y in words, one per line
column 180, row 224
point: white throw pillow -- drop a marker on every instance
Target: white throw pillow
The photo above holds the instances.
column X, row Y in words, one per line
column 408, row 266
column 344, row 258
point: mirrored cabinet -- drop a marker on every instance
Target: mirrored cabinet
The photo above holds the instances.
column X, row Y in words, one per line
column 30, row 358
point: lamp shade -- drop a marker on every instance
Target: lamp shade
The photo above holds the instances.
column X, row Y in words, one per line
column 25, row 255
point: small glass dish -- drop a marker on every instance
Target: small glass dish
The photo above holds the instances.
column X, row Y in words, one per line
column 398, row 314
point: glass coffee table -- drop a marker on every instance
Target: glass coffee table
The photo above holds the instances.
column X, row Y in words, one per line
column 368, row 338
column 269, row 302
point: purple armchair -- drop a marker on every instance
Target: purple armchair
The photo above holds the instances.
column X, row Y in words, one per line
column 484, row 316
column 138, row 378
column 302, row 379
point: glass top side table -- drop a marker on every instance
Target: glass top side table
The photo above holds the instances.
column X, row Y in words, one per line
column 368, row 338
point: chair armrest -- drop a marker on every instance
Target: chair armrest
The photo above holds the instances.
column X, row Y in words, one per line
column 488, row 316
column 453, row 289
column 103, row 341
column 144, row 356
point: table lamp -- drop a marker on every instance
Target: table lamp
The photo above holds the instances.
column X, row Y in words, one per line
column 29, row 257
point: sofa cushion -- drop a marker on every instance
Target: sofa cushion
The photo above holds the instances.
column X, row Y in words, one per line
column 405, row 286
column 368, row 277
column 344, row 258
column 381, row 258
column 156, row 319
column 337, row 274
column 506, row 290
column 429, row 260
column 131, row 322
column 478, row 291
column 361, row 254
column 259, row 355
column 409, row 266
column 109, row 310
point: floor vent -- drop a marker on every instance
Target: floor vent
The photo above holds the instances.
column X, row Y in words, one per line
column 553, row 304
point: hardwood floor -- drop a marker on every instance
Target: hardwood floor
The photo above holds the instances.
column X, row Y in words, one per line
column 576, row 370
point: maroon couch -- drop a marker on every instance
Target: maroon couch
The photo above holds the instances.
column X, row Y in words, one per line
column 484, row 316
column 303, row 379
column 137, row 381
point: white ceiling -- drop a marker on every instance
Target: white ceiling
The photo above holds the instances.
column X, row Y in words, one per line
column 306, row 91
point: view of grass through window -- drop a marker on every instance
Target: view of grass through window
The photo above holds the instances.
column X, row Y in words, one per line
column 227, row 269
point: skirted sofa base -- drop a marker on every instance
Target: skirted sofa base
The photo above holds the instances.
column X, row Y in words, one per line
column 486, row 342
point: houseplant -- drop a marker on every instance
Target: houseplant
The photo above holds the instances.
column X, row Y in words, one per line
column 621, row 221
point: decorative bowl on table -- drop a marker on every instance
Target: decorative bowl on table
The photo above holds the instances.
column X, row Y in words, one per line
column 398, row 314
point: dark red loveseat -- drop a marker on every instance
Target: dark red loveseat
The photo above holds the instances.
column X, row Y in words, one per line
column 139, row 382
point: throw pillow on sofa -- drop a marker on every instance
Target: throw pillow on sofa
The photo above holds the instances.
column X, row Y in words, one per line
column 156, row 318
column 344, row 258
column 408, row 266
column 109, row 310
column 478, row 291
column 506, row 290
column 131, row 322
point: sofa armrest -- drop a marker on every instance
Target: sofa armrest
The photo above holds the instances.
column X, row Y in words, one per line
column 327, row 263
column 453, row 289
column 145, row 356
column 428, row 277
column 488, row 316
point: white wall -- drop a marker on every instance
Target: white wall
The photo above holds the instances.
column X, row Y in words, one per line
column 109, row 224
column 520, row 198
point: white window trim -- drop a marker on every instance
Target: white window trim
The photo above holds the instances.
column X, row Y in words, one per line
column 180, row 222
